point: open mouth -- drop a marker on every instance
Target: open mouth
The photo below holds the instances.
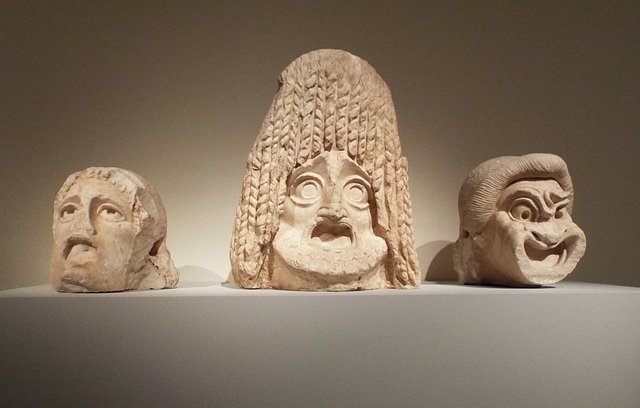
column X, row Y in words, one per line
column 332, row 235
column 78, row 248
column 545, row 256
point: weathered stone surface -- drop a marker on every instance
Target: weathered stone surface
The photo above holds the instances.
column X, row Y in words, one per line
column 515, row 223
column 325, row 203
column 109, row 231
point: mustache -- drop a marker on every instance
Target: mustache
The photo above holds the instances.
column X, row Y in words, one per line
column 332, row 219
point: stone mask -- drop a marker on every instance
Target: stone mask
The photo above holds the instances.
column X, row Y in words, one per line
column 325, row 239
column 105, row 238
column 325, row 201
column 529, row 238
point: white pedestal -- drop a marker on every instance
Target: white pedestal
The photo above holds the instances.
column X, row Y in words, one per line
column 200, row 345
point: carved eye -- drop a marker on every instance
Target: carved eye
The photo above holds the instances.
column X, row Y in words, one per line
column 524, row 209
column 67, row 212
column 356, row 194
column 307, row 190
column 110, row 212
column 560, row 213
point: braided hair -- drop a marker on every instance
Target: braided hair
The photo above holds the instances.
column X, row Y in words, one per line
column 327, row 100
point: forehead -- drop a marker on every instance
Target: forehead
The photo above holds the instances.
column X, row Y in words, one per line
column 88, row 188
column 536, row 186
column 332, row 165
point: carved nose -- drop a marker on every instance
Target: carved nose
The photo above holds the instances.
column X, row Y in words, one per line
column 550, row 233
column 332, row 206
column 332, row 210
column 82, row 224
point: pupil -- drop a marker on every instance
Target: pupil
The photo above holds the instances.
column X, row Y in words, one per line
column 309, row 190
column 356, row 194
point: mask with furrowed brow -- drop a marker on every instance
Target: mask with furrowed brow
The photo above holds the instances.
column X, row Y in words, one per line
column 515, row 223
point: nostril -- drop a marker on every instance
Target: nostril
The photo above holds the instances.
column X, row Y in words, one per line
column 329, row 213
column 537, row 235
column 332, row 212
column 156, row 247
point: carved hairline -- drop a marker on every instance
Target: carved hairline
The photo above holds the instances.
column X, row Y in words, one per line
column 484, row 185
column 144, row 196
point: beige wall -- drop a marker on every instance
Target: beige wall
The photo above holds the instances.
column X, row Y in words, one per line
column 177, row 93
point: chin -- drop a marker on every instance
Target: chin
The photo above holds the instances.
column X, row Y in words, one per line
column 330, row 258
column 543, row 264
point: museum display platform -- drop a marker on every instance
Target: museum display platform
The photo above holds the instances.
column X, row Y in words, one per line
column 211, row 344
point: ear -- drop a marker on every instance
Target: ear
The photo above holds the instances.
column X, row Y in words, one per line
column 140, row 215
column 479, row 240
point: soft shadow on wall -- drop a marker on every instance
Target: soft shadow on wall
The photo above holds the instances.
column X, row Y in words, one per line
column 436, row 261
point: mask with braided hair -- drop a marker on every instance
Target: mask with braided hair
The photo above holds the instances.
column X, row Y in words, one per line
column 325, row 202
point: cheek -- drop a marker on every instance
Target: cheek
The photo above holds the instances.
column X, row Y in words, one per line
column 60, row 236
column 126, row 234
column 567, row 224
column 505, row 223
column 61, row 230
column 361, row 218
column 115, row 238
column 298, row 216
column 505, row 232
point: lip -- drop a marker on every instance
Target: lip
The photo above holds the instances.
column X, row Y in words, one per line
column 547, row 255
column 332, row 235
column 76, row 240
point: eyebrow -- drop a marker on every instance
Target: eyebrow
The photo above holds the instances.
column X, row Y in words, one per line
column 538, row 198
column 71, row 199
column 101, row 199
column 557, row 199
column 300, row 170
column 308, row 173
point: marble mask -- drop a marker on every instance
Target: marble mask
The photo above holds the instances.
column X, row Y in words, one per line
column 516, row 227
column 325, row 201
column 109, row 230
column 325, row 237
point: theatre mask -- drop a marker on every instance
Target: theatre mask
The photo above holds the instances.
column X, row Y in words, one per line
column 516, row 226
column 109, row 229
column 326, row 238
column 325, row 200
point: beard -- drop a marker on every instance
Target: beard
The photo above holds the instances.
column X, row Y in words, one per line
column 326, row 257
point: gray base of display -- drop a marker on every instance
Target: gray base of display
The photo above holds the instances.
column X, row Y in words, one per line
column 201, row 344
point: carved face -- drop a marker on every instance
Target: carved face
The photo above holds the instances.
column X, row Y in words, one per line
column 93, row 233
column 531, row 239
column 325, row 239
